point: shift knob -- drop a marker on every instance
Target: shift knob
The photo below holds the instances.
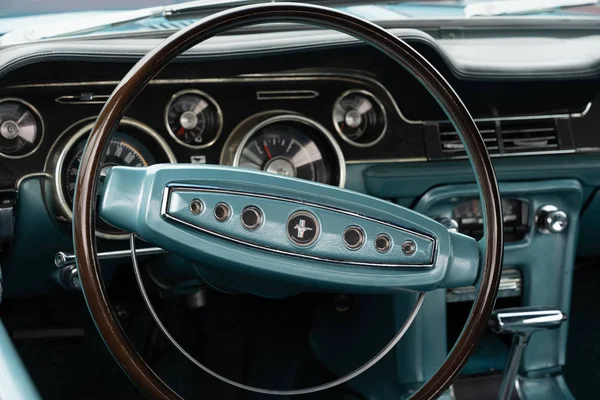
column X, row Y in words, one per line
column 521, row 323
column 550, row 219
column 526, row 320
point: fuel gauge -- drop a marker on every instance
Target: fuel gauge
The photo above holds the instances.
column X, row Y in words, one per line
column 194, row 119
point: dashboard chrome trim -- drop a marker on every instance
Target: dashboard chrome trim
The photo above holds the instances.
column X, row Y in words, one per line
column 85, row 129
column 296, row 76
column 42, row 127
column 30, row 176
column 209, row 98
column 286, row 94
column 304, row 120
column 525, row 153
column 346, row 76
column 377, row 101
column 388, row 160
column 166, row 195
column 93, row 99
column 353, row 77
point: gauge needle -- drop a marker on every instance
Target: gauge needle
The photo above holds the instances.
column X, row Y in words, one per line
column 181, row 131
column 267, row 150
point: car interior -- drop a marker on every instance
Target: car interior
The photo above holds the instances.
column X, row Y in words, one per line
column 328, row 200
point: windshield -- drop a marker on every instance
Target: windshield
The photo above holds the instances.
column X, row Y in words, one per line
column 375, row 11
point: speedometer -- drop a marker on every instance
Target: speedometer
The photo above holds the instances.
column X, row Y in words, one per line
column 132, row 145
column 119, row 152
column 294, row 146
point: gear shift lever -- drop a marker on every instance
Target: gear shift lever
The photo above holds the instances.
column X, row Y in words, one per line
column 521, row 322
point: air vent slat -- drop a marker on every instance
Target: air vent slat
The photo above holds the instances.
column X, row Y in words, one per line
column 529, row 135
column 453, row 147
column 517, row 136
column 530, row 130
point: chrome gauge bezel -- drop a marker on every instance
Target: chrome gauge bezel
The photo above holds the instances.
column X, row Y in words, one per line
column 376, row 101
column 303, row 120
column 74, row 139
column 207, row 97
column 42, row 127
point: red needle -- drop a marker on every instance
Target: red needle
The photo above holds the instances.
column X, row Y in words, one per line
column 267, row 151
column 181, row 131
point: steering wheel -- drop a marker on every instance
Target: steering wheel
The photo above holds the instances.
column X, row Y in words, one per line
column 173, row 206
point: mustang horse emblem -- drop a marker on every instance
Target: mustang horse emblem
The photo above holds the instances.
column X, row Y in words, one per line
column 301, row 228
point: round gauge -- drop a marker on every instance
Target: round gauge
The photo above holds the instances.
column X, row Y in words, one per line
column 21, row 128
column 359, row 118
column 119, row 152
column 293, row 146
column 132, row 145
column 123, row 150
column 194, row 119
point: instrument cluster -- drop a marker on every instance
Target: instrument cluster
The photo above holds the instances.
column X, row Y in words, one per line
column 246, row 123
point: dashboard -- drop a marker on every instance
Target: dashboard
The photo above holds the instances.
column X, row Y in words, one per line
column 335, row 112
column 319, row 106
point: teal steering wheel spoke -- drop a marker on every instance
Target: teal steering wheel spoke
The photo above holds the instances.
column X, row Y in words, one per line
column 287, row 231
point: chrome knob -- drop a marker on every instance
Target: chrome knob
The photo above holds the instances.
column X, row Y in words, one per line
column 449, row 223
column 526, row 320
column 550, row 219
column 69, row 277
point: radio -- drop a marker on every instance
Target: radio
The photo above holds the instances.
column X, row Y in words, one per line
column 466, row 217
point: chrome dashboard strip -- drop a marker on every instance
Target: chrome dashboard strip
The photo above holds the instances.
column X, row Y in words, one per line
column 526, row 117
column 344, row 76
column 525, row 153
column 96, row 99
column 278, row 77
column 286, row 94
column 298, row 76
column 194, row 189
column 388, row 160
column 30, row 176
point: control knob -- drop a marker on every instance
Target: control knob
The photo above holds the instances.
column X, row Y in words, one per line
column 449, row 223
column 550, row 219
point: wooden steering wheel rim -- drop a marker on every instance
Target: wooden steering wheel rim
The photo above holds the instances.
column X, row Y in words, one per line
column 150, row 65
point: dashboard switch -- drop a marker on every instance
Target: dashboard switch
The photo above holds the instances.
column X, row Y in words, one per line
column 196, row 206
column 354, row 237
column 252, row 218
column 222, row 212
column 409, row 247
column 550, row 219
column 383, row 243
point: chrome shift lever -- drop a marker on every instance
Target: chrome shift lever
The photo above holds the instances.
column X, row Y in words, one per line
column 521, row 322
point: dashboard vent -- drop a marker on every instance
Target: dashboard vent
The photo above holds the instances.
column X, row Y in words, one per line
column 505, row 137
column 524, row 136
column 453, row 147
